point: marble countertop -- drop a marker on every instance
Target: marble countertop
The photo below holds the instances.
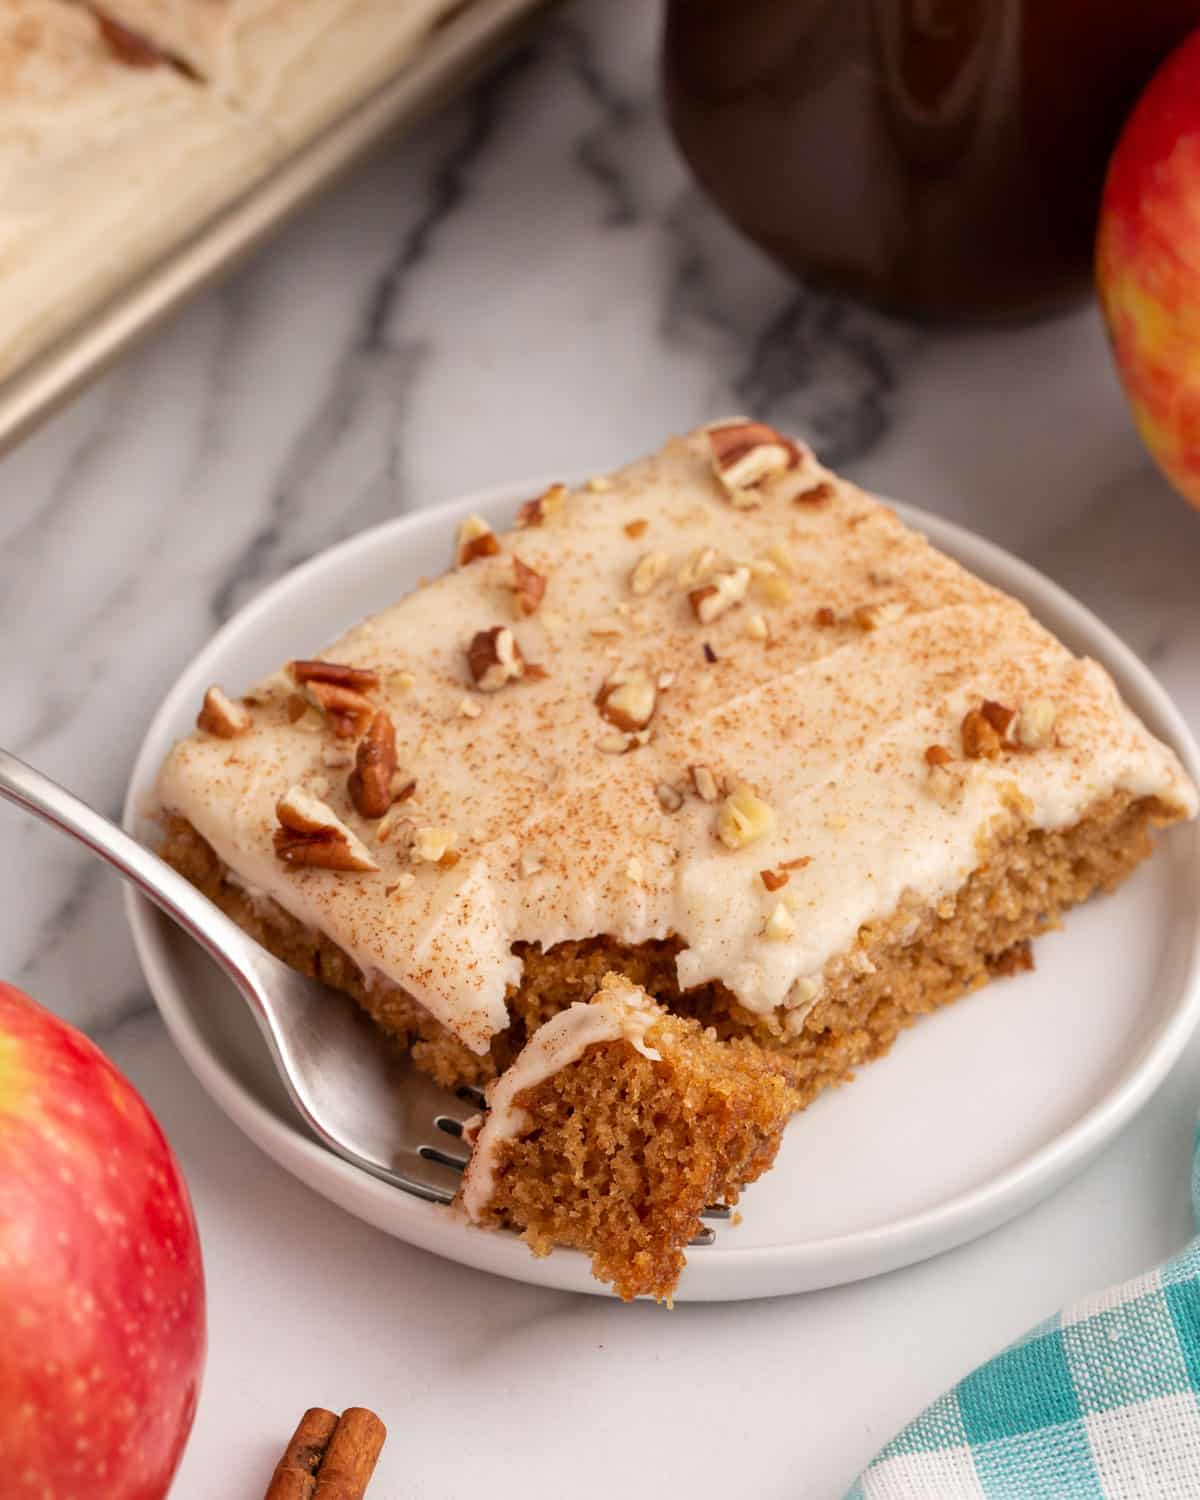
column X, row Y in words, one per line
column 533, row 284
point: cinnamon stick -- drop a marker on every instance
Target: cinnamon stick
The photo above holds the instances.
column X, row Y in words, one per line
column 329, row 1457
column 351, row 1456
column 295, row 1473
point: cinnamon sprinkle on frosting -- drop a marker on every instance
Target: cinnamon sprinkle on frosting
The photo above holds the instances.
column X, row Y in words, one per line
column 821, row 743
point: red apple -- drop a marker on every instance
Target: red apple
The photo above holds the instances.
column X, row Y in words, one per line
column 101, row 1286
column 1148, row 264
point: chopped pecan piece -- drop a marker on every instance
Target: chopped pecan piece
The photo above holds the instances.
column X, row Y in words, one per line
column 528, row 586
column 876, row 616
column 435, row 846
column 713, row 599
column 817, row 494
column 301, row 811
column 705, row 783
column 475, row 539
column 780, row 925
column 980, row 738
column 627, row 699
column 494, row 659
column 999, row 717
column 548, row 504
column 394, row 822
column 647, row 571
column 1035, row 723
column 704, row 561
column 310, row 833
column 349, row 712
column 635, row 529
column 773, row 588
column 359, row 679
column 222, row 716
column 825, row 617
column 616, row 743
column 745, row 455
column 370, row 784
column 743, row 818
column 938, row 755
column 774, row 880
column 128, row 47
column 135, row 50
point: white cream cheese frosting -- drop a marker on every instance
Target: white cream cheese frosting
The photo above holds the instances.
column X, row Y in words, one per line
column 103, row 164
column 291, row 64
column 792, row 638
column 108, row 157
column 620, row 1011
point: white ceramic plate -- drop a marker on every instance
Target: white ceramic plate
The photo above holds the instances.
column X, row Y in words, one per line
column 979, row 1111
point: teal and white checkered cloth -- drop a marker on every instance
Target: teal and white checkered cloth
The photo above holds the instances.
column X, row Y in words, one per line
column 1100, row 1402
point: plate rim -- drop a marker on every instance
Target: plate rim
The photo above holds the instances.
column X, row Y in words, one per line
column 733, row 1272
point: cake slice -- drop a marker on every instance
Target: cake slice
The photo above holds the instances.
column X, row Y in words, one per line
column 614, row 1128
column 719, row 723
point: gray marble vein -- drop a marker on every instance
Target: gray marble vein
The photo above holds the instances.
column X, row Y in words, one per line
column 599, row 150
column 444, row 193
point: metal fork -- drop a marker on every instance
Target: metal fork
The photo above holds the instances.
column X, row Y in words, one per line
column 352, row 1087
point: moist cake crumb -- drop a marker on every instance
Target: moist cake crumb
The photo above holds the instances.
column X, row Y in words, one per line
column 613, row 1129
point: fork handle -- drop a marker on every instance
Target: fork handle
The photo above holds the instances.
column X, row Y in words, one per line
column 196, row 914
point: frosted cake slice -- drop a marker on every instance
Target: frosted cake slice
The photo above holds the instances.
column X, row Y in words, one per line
column 719, row 723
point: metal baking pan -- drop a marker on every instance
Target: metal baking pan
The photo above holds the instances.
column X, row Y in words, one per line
column 452, row 56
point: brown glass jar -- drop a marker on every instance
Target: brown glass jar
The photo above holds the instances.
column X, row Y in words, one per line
column 942, row 159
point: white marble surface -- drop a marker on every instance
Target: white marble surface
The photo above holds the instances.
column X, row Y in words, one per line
column 529, row 285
